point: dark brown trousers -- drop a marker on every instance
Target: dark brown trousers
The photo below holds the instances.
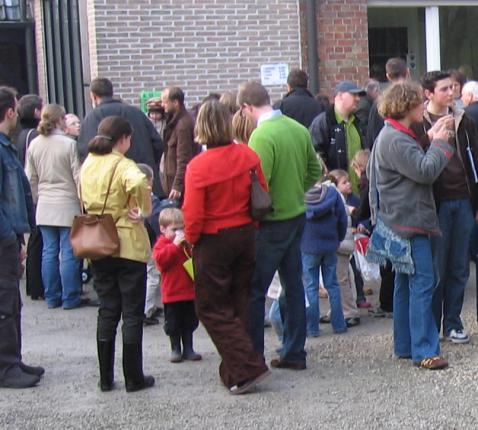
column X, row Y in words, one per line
column 223, row 265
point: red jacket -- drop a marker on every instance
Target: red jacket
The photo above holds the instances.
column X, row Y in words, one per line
column 218, row 190
column 176, row 284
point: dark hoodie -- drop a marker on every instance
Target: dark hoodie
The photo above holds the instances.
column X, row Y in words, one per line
column 326, row 220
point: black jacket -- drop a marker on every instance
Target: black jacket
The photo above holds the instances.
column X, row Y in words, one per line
column 467, row 143
column 375, row 124
column 146, row 144
column 299, row 104
column 472, row 111
column 28, row 130
column 329, row 139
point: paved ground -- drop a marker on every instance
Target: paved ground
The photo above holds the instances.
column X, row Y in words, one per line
column 352, row 382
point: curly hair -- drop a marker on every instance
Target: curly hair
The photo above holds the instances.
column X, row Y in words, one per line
column 399, row 99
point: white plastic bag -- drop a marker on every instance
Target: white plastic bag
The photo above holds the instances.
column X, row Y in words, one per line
column 370, row 271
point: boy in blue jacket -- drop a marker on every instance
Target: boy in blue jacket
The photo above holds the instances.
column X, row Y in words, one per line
column 325, row 228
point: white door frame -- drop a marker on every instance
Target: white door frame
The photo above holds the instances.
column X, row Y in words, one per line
column 432, row 38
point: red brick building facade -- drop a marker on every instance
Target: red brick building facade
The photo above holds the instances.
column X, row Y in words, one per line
column 213, row 45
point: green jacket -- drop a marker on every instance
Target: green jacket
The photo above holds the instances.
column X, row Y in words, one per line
column 289, row 163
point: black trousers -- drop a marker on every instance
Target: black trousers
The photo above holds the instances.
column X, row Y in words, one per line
column 179, row 317
column 121, row 288
column 10, row 306
column 34, row 284
column 387, row 287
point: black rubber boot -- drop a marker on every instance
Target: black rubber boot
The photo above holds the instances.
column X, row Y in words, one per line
column 175, row 349
column 135, row 380
column 106, row 359
column 188, row 351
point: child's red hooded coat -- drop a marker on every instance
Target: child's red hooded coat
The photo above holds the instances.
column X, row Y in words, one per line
column 176, row 284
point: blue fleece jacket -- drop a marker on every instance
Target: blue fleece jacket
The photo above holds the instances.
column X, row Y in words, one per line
column 326, row 220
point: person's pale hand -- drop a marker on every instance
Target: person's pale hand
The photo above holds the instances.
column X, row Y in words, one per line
column 442, row 132
column 174, row 195
column 134, row 215
column 444, row 123
column 179, row 238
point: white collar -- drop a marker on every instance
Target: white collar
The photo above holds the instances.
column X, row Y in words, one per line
column 268, row 115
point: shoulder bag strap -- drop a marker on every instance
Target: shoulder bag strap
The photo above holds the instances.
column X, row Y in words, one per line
column 109, row 187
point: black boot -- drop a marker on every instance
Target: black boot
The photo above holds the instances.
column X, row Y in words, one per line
column 188, row 351
column 175, row 349
column 133, row 368
column 106, row 359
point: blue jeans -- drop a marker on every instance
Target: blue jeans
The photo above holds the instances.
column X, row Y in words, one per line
column 278, row 248
column 276, row 319
column 61, row 277
column 311, row 264
column 414, row 328
column 452, row 262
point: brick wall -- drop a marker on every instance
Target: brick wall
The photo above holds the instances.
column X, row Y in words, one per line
column 200, row 45
column 343, row 42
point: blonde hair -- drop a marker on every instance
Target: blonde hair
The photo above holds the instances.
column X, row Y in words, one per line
column 229, row 99
column 399, row 99
column 213, row 125
column 50, row 116
column 338, row 174
column 242, row 126
column 170, row 216
column 360, row 160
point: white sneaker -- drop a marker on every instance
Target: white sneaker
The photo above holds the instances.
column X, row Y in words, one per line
column 458, row 336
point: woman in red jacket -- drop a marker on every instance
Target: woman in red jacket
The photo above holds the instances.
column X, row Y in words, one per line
column 219, row 226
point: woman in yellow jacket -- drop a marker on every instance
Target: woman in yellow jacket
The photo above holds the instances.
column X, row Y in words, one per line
column 119, row 280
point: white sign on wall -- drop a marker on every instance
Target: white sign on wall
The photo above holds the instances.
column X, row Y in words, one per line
column 274, row 74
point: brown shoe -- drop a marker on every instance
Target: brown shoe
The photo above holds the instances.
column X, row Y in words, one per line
column 433, row 363
column 279, row 363
column 368, row 291
column 323, row 293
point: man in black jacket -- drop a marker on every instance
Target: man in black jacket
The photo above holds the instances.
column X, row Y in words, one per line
column 336, row 132
column 146, row 144
column 299, row 103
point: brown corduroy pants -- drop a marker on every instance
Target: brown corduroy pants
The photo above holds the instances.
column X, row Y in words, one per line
column 223, row 266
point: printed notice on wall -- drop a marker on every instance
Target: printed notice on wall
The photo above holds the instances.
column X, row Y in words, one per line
column 274, row 74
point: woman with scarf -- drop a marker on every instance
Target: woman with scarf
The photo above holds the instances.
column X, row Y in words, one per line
column 403, row 210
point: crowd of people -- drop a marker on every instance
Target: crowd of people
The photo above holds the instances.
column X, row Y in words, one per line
column 396, row 167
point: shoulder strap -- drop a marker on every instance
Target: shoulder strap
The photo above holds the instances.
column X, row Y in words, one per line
column 107, row 191
column 109, row 186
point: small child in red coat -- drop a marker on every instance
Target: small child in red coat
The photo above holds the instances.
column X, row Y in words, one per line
column 177, row 289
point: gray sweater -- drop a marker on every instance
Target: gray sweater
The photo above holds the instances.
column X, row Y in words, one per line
column 401, row 175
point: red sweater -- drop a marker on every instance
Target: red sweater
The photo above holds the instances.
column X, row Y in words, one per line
column 176, row 284
column 218, row 190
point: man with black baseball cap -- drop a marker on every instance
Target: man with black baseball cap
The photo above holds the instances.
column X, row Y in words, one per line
column 336, row 132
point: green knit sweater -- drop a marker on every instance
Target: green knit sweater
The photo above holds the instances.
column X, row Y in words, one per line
column 289, row 163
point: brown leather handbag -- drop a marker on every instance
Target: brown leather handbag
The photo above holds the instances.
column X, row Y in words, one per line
column 95, row 236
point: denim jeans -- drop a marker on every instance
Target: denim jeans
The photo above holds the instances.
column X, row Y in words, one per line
column 276, row 319
column 311, row 264
column 278, row 248
column 414, row 328
column 61, row 276
column 451, row 262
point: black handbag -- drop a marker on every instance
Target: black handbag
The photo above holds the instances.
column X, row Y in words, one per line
column 261, row 202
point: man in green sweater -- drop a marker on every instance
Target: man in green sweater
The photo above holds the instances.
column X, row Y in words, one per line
column 290, row 167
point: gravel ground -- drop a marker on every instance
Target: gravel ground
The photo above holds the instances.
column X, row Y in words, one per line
column 352, row 382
